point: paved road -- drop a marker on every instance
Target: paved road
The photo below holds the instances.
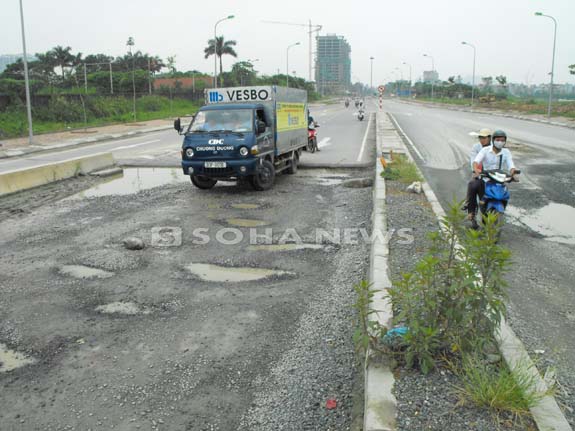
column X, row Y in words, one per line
column 541, row 233
column 342, row 139
column 197, row 336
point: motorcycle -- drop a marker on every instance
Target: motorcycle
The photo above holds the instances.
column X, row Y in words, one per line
column 312, row 137
column 496, row 194
column 360, row 115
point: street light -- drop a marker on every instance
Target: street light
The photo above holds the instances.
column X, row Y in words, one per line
column 432, row 73
column 473, row 81
column 552, row 61
column 371, row 74
column 287, row 62
column 26, row 81
column 216, row 49
column 409, row 77
column 131, row 43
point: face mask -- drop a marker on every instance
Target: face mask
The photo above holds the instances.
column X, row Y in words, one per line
column 499, row 144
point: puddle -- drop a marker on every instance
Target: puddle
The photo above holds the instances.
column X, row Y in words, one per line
column 127, row 308
column 554, row 221
column 245, row 206
column 283, row 247
column 81, row 271
column 135, row 180
column 329, row 181
column 244, row 222
column 216, row 273
column 10, row 359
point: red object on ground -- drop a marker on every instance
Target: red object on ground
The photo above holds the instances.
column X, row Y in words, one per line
column 331, row 404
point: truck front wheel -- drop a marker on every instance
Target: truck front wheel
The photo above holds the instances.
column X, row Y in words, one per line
column 202, row 182
column 264, row 178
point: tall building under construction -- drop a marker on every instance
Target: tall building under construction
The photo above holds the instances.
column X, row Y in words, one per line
column 333, row 65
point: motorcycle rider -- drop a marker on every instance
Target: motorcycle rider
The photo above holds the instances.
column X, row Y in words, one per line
column 484, row 141
column 311, row 124
column 489, row 158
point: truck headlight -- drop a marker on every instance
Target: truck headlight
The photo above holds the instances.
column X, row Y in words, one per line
column 244, row 151
column 189, row 153
column 255, row 150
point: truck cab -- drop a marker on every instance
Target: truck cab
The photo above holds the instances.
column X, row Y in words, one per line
column 242, row 139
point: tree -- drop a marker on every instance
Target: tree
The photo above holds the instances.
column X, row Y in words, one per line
column 487, row 81
column 63, row 57
column 219, row 47
column 572, row 69
column 98, row 62
column 451, row 80
column 502, row 80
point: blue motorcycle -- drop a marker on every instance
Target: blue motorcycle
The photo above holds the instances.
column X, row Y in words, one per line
column 496, row 194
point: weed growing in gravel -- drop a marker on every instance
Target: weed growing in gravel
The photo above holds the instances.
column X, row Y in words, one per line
column 368, row 332
column 401, row 169
column 454, row 298
column 497, row 387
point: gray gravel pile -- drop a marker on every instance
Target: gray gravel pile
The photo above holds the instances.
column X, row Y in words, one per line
column 429, row 402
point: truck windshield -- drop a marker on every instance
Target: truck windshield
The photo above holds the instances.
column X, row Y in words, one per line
column 234, row 120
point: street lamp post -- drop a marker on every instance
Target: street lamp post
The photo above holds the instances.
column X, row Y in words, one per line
column 401, row 79
column 26, row 80
column 287, row 62
column 409, row 77
column 131, row 43
column 473, row 81
column 371, row 74
column 216, row 49
column 552, row 62
column 432, row 73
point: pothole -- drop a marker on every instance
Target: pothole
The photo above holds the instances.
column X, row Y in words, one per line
column 84, row 272
column 283, row 247
column 554, row 221
column 135, row 180
column 11, row 359
column 127, row 308
column 244, row 222
column 217, row 273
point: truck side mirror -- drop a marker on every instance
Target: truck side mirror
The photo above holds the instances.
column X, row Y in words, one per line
column 261, row 127
column 178, row 125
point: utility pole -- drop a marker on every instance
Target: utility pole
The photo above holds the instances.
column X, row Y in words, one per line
column 26, row 80
column 552, row 62
column 131, row 44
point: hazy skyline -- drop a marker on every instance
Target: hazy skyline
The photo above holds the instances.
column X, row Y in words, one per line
column 510, row 40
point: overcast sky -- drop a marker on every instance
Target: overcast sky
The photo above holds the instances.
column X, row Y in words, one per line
column 509, row 39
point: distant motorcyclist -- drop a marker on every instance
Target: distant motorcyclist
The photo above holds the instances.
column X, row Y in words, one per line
column 489, row 158
column 311, row 124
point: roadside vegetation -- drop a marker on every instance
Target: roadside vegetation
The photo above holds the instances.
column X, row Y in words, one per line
column 401, row 169
column 445, row 312
column 70, row 90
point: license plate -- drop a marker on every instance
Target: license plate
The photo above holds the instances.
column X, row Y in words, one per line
column 214, row 164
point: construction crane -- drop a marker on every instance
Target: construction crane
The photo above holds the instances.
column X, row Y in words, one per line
column 311, row 29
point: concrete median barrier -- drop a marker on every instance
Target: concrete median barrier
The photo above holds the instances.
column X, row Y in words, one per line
column 22, row 179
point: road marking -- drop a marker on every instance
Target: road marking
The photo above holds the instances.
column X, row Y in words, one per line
column 364, row 140
column 125, row 147
column 407, row 138
column 324, row 143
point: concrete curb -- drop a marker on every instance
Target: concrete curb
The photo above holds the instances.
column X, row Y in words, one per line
column 547, row 414
column 22, row 179
column 5, row 154
column 495, row 113
column 380, row 403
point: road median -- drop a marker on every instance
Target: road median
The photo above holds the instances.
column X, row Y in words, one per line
column 23, row 179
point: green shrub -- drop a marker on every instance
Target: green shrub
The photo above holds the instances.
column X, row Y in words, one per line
column 401, row 169
column 453, row 300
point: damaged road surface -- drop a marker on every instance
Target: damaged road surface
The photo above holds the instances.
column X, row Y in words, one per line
column 200, row 330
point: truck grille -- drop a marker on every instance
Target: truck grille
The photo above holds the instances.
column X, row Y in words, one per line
column 218, row 171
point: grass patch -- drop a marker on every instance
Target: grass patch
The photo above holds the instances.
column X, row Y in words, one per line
column 402, row 169
column 101, row 112
column 497, row 388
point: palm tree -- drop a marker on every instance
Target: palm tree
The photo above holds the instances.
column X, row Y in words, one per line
column 220, row 47
column 63, row 57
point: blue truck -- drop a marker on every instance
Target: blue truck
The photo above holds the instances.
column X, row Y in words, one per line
column 245, row 133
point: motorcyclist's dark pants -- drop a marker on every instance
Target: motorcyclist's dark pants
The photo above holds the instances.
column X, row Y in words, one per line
column 475, row 190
